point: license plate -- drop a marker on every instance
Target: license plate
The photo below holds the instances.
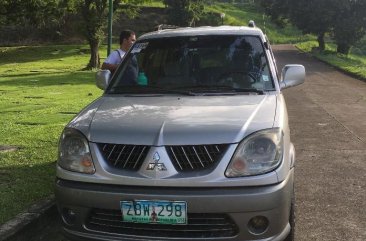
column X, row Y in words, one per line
column 161, row 212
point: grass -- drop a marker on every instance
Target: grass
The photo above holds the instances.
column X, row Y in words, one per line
column 240, row 14
column 41, row 89
column 154, row 3
column 354, row 64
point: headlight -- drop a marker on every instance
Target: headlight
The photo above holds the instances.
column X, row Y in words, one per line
column 259, row 153
column 74, row 153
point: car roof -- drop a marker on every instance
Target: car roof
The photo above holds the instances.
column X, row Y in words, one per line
column 205, row 30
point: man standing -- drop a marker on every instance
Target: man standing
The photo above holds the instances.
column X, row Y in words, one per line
column 126, row 39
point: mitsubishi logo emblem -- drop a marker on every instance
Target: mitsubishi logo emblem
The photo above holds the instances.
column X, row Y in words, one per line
column 156, row 158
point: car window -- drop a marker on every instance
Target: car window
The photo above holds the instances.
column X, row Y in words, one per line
column 190, row 62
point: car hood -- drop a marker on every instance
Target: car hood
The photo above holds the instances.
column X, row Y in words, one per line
column 172, row 120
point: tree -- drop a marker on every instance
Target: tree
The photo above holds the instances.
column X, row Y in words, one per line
column 3, row 12
column 38, row 13
column 95, row 14
column 350, row 27
column 278, row 10
column 195, row 11
column 184, row 12
column 345, row 19
column 304, row 14
column 50, row 14
column 313, row 16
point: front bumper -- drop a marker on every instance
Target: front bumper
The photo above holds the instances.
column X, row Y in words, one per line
column 238, row 204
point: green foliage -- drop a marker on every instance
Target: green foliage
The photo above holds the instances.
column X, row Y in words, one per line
column 240, row 14
column 155, row 3
column 95, row 14
column 277, row 9
column 210, row 18
column 314, row 17
column 51, row 13
column 354, row 64
column 41, row 89
column 39, row 13
column 360, row 47
column 184, row 12
column 132, row 8
column 345, row 19
column 350, row 28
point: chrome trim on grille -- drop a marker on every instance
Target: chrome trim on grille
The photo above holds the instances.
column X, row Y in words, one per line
column 139, row 158
column 198, row 157
column 127, row 157
column 208, row 154
column 175, row 157
column 186, row 157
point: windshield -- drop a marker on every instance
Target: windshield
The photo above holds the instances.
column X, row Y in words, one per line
column 194, row 64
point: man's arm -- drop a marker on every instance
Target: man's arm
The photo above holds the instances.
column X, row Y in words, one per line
column 112, row 61
column 110, row 67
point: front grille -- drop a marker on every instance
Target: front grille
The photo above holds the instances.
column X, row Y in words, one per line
column 129, row 157
column 192, row 158
column 199, row 226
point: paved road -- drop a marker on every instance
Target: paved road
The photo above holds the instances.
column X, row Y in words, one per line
column 328, row 128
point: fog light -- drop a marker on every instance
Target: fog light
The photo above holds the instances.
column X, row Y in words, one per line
column 68, row 216
column 258, row 225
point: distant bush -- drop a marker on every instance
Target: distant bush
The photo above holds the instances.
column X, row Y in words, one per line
column 360, row 47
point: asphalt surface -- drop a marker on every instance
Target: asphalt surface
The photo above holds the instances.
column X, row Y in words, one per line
column 328, row 127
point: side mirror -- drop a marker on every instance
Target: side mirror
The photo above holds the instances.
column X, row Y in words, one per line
column 102, row 78
column 292, row 75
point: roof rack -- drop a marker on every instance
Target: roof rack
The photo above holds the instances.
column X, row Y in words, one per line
column 165, row 26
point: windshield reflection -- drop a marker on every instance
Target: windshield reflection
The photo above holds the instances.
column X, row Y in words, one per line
column 185, row 63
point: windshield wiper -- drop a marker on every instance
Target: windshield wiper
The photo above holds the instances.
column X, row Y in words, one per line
column 171, row 91
column 221, row 89
column 148, row 90
column 248, row 90
column 193, row 90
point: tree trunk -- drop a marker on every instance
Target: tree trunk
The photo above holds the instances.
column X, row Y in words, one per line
column 321, row 41
column 94, row 61
column 343, row 48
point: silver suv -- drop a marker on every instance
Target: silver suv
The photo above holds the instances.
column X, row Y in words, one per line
column 190, row 141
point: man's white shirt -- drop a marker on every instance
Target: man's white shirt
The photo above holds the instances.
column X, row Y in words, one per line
column 115, row 57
